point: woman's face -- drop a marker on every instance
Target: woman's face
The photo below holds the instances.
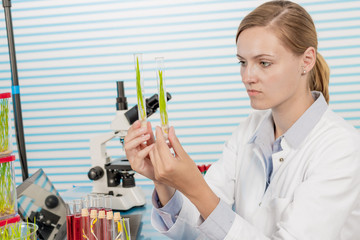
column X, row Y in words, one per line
column 270, row 72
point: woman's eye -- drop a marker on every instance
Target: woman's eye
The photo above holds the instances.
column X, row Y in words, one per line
column 242, row 63
column 265, row 64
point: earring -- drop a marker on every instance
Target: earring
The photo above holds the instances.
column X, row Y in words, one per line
column 304, row 71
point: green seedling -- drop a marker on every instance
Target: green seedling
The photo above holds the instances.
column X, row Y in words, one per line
column 162, row 104
column 7, row 201
column 4, row 125
column 140, row 97
column 14, row 232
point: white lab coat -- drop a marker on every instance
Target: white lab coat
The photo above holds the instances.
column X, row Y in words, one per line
column 314, row 191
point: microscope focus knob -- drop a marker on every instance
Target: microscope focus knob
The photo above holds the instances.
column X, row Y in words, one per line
column 51, row 201
column 95, row 173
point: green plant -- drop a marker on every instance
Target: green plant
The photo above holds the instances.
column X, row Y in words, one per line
column 162, row 102
column 4, row 125
column 7, row 201
column 140, row 100
column 14, row 231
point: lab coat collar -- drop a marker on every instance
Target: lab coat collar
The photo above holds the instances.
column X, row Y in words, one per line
column 296, row 134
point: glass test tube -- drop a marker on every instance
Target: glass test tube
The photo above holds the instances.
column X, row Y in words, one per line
column 76, row 226
column 160, row 76
column 69, row 220
column 94, row 225
column 85, row 224
column 117, row 233
column 108, row 203
column 94, row 201
column 140, row 88
column 126, row 229
column 101, row 201
column 102, row 235
column 110, row 224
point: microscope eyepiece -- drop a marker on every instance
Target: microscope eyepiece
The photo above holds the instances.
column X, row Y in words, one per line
column 121, row 100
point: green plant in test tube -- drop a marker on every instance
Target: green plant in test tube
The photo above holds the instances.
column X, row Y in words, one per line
column 4, row 125
column 140, row 88
column 7, row 201
column 162, row 95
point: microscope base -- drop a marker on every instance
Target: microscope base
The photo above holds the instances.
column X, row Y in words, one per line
column 125, row 198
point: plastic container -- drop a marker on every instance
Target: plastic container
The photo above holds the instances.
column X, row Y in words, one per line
column 19, row 231
column 8, row 200
column 5, row 141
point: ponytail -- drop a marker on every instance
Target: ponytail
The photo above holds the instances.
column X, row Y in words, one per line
column 319, row 77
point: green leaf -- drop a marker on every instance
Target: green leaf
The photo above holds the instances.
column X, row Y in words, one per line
column 140, row 99
column 162, row 100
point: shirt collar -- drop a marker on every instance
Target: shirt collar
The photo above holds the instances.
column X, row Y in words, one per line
column 299, row 130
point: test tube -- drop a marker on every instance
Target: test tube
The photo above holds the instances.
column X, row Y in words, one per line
column 102, row 234
column 160, row 76
column 110, row 224
column 101, row 201
column 93, row 201
column 77, row 219
column 117, row 233
column 108, row 203
column 140, row 88
column 126, row 229
column 69, row 220
column 94, row 225
column 85, row 224
column 86, row 202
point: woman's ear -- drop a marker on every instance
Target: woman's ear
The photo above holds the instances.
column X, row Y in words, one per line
column 309, row 59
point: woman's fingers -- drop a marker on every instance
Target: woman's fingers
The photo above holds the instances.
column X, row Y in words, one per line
column 134, row 131
column 145, row 152
column 161, row 143
column 149, row 130
column 129, row 145
column 175, row 143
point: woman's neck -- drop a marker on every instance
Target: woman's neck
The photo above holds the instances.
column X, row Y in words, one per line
column 288, row 112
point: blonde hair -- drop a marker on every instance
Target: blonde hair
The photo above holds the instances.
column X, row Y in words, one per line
column 296, row 29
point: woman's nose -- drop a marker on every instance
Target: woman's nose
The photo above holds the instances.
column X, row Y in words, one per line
column 247, row 74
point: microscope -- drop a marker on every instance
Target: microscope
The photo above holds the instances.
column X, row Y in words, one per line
column 107, row 174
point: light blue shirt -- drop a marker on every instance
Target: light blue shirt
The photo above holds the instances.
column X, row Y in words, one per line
column 264, row 139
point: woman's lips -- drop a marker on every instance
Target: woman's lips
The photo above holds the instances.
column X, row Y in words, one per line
column 252, row 92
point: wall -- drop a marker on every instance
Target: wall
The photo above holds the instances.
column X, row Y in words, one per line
column 71, row 53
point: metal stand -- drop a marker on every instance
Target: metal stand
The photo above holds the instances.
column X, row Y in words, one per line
column 18, row 121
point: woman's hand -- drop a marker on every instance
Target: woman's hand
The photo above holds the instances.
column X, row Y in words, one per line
column 137, row 152
column 180, row 172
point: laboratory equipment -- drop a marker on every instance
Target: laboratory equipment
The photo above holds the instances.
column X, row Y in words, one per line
column 107, row 174
column 38, row 199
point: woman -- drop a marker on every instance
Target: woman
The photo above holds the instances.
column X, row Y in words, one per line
column 290, row 171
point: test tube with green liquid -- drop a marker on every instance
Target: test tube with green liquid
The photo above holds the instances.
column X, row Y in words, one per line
column 140, row 88
column 160, row 75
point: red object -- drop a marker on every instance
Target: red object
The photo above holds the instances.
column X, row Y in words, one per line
column 5, row 95
column 102, row 229
column 76, row 228
column 7, row 159
column 10, row 220
column 203, row 168
column 94, row 226
column 69, row 227
column 85, row 227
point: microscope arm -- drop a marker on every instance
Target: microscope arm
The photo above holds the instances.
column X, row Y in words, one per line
column 98, row 147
